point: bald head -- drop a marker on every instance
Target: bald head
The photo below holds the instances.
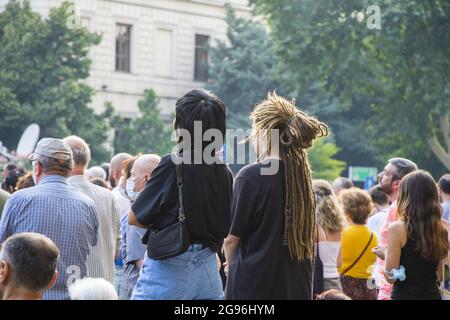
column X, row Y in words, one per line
column 142, row 170
column 80, row 150
column 117, row 160
column 115, row 167
column 146, row 164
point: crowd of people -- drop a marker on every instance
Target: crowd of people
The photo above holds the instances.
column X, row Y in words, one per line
column 70, row 231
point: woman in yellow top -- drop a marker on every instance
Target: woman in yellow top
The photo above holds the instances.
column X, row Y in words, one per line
column 357, row 258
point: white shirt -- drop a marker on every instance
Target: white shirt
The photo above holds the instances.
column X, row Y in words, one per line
column 329, row 252
column 100, row 261
column 377, row 221
column 122, row 201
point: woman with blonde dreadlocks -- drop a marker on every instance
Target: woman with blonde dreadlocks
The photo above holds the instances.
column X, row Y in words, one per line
column 270, row 247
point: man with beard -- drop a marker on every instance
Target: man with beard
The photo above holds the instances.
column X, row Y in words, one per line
column 118, row 184
column 389, row 182
column 118, row 191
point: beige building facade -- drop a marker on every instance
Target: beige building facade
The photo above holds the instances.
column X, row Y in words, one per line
column 158, row 44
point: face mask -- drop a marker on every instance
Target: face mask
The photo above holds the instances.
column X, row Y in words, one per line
column 132, row 195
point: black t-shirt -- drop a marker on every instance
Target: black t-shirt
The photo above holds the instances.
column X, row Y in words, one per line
column 262, row 267
column 207, row 192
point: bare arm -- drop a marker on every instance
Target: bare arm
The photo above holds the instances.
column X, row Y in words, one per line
column 133, row 221
column 339, row 259
column 394, row 248
column 139, row 263
column 229, row 245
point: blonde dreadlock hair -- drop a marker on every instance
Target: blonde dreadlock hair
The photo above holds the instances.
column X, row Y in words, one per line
column 297, row 131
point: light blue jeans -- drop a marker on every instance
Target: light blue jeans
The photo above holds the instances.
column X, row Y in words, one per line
column 192, row 275
column 119, row 285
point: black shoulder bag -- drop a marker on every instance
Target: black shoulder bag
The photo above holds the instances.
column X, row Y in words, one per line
column 174, row 239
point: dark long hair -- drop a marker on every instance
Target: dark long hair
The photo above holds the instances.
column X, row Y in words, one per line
column 419, row 206
column 202, row 106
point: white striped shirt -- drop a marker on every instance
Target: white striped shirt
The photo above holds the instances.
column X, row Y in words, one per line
column 100, row 260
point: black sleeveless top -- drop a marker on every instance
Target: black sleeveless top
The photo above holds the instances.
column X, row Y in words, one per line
column 421, row 278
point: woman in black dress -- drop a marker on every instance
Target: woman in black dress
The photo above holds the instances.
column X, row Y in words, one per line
column 269, row 249
column 418, row 241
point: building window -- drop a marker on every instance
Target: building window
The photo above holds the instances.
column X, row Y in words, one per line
column 201, row 58
column 86, row 23
column 123, row 47
column 163, row 53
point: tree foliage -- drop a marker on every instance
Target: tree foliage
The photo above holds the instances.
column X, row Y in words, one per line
column 323, row 165
column 42, row 63
column 244, row 69
column 391, row 84
column 144, row 134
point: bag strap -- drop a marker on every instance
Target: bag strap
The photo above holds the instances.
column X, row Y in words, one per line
column 317, row 242
column 179, row 170
column 360, row 256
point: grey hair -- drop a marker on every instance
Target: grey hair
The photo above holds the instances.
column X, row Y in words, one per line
column 343, row 183
column 402, row 167
column 96, row 172
column 92, row 289
column 80, row 150
column 55, row 166
column 33, row 259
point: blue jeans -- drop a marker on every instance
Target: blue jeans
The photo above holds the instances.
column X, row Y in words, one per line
column 119, row 285
column 192, row 275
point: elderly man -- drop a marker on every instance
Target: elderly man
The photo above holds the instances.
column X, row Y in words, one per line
column 27, row 266
column 132, row 247
column 115, row 174
column 92, row 289
column 95, row 172
column 53, row 209
column 101, row 257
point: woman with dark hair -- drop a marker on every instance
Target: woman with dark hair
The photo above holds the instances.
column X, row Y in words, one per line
column 418, row 241
column 270, row 247
column 11, row 180
column 206, row 192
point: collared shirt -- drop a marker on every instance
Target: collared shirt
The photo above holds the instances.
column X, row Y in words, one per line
column 135, row 249
column 132, row 248
column 101, row 258
column 67, row 217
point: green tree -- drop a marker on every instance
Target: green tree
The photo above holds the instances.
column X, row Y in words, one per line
column 242, row 68
column 391, row 82
column 145, row 134
column 42, row 63
column 323, row 165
